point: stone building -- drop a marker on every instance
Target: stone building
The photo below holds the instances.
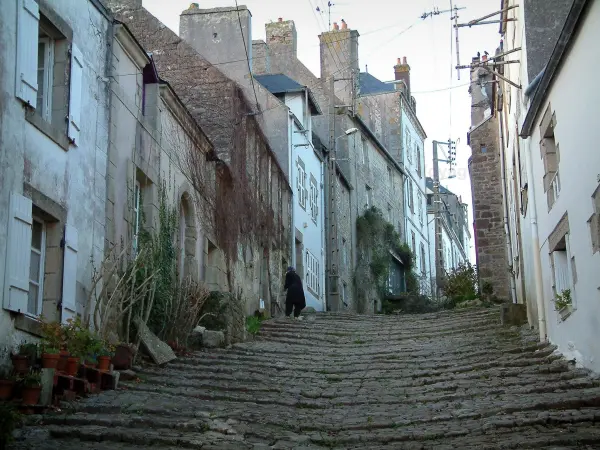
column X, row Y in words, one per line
column 247, row 230
column 54, row 121
column 552, row 170
column 486, row 186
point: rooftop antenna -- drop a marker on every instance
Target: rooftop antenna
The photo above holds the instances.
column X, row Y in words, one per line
column 329, row 5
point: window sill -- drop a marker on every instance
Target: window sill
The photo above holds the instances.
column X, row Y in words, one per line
column 53, row 133
column 28, row 324
column 565, row 312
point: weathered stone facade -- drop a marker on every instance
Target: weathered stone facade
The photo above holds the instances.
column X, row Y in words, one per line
column 215, row 103
column 486, row 188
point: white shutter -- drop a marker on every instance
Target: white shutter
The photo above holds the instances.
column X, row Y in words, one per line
column 75, row 94
column 18, row 253
column 69, row 273
column 27, row 51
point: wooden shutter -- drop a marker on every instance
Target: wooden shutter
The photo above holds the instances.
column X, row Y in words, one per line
column 28, row 19
column 18, row 254
column 75, row 94
column 69, row 273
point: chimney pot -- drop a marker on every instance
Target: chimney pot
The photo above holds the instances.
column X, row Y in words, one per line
column 404, row 60
column 344, row 25
column 399, row 61
column 194, row 6
column 280, row 19
column 335, row 26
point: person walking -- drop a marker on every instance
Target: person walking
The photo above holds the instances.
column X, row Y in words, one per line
column 294, row 299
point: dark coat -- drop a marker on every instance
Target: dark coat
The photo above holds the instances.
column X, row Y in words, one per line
column 295, row 291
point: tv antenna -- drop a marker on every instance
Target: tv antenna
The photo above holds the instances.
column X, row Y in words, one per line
column 329, row 6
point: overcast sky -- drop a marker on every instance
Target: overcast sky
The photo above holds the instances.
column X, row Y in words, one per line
column 389, row 30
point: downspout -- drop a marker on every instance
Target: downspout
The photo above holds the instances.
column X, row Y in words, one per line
column 404, row 184
column 537, row 260
column 513, row 288
column 294, row 194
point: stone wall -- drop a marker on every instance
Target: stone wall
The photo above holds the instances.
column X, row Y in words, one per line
column 486, row 188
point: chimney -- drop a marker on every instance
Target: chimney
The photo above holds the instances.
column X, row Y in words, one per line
column 215, row 34
column 481, row 92
column 282, row 38
column 261, row 58
column 339, row 57
column 402, row 72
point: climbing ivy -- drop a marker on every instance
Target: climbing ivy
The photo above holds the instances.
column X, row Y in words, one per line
column 376, row 237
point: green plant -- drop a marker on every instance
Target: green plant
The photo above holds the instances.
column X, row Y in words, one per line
column 31, row 379
column 9, row 420
column 563, row 300
column 79, row 339
column 30, row 350
column 253, row 324
column 53, row 336
column 461, row 283
column 107, row 350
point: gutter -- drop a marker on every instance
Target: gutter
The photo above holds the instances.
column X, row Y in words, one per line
column 534, row 83
column 565, row 40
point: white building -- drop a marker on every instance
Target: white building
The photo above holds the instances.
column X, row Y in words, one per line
column 416, row 230
column 456, row 237
column 54, row 121
column 307, row 178
column 554, row 171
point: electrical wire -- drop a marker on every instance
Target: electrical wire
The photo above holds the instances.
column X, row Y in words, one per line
column 442, row 89
column 247, row 56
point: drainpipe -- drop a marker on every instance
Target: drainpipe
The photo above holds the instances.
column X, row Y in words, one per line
column 513, row 288
column 294, row 194
column 537, row 260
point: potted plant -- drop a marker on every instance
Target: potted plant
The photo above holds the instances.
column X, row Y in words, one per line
column 78, row 339
column 53, row 339
column 93, row 348
column 105, row 356
column 25, row 358
column 9, row 419
column 32, row 387
column 7, row 383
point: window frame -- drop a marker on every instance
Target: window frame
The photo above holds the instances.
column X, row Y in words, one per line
column 40, row 281
column 301, row 184
column 314, row 200
column 48, row 77
column 137, row 194
column 312, row 273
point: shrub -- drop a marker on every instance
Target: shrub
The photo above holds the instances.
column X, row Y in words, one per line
column 461, row 283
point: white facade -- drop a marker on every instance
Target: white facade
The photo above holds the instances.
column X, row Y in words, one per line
column 415, row 206
column 557, row 170
column 54, row 154
column 307, row 178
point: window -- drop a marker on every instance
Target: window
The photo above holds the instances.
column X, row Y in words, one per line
column 420, row 199
column 364, row 151
column 369, row 196
column 483, row 148
column 345, row 252
column 390, row 177
column 36, row 267
column 312, row 273
column 390, row 213
column 301, row 184
column 44, row 49
column 594, row 221
column 314, row 199
column 411, row 204
column 408, row 146
column 423, row 266
column 137, row 194
column 344, row 294
column 413, row 243
column 549, row 151
column 418, row 157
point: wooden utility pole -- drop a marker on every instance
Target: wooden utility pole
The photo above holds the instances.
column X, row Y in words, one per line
column 333, row 294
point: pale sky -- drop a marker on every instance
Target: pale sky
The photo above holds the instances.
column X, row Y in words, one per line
column 386, row 36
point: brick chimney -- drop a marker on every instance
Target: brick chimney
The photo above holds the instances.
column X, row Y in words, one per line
column 215, row 34
column 402, row 73
column 339, row 57
column 282, row 38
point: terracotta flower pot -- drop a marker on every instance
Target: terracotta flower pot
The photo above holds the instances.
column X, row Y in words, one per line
column 72, row 366
column 50, row 361
column 62, row 361
column 31, row 395
column 20, row 364
column 6, row 389
column 103, row 363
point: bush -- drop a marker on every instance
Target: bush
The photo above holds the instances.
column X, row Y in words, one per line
column 461, row 284
column 9, row 420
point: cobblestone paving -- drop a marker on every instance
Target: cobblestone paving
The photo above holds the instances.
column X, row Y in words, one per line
column 453, row 380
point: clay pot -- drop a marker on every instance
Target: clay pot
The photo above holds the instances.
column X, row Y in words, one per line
column 20, row 364
column 123, row 358
column 72, row 366
column 50, row 361
column 103, row 363
column 61, row 366
column 6, row 389
column 31, row 395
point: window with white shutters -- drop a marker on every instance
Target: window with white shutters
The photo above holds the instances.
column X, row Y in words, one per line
column 301, row 184
column 314, row 200
column 28, row 19
column 16, row 277
column 69, row 272
column 75, row 94
column 36, row 267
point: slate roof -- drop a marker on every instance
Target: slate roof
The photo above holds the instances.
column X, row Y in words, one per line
column 279, row 83
column 371, row 85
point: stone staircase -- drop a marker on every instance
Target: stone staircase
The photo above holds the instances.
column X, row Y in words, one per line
column 449, row 380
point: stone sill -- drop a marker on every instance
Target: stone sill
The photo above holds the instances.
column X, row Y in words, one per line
column 28, row 324
column 565, row 312
column 48, row 129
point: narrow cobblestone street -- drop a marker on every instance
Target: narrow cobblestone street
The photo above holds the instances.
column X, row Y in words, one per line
column 448, row 380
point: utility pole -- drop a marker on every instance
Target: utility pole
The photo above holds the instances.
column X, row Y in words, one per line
column 333, row 293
